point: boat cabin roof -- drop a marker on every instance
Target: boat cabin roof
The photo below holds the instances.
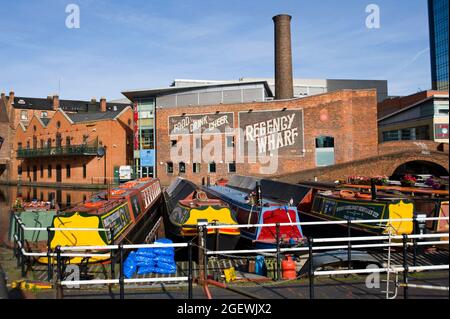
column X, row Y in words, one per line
column 237, row 195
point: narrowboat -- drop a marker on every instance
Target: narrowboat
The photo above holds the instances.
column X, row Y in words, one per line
column 34, row 214
column 345, row 205
column 187, row 204
column 427, row 201
column 123, row 214
column 260, row 202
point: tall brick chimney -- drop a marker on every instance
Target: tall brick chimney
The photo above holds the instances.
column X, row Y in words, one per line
column 55, row 102
column 103, row 104
column 284, row 84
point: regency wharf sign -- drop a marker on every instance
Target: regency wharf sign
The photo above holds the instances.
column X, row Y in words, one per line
column 200, row 124
column 280, row 131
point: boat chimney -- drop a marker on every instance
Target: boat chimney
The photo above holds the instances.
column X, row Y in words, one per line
column 373, row 188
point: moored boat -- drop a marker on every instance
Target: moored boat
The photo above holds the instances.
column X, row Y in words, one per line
column 123, row 214
column 251, row 200
column 187, row 204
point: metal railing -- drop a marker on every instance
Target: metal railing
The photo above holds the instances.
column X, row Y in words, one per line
column 309, row 248
column 407, row 241
column 72, row 150
column 60, row 253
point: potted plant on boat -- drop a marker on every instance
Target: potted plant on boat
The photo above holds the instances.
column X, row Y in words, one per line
column 381, row 180
column 408, row 181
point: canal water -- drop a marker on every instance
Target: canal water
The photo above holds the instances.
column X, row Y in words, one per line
column 8, row 194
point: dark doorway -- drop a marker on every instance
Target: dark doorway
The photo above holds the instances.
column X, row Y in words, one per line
column 58, row 174
column 419, row 168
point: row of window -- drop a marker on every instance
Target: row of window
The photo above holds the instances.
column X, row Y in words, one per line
column 196, row 168
column 49, row 142
column 199, row 142
column 408, row 134
column 24, row 115
column 49, row 171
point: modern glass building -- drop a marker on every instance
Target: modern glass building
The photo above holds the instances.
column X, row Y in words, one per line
column 144, row 142
column 438, row 17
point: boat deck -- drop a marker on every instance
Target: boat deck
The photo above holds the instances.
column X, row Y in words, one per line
column 236, row 195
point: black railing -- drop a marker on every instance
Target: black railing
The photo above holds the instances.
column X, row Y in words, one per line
column 72, row 150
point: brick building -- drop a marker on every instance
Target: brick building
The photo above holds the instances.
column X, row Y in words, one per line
column 421, row 116
column 326, row 129
column 60, row 142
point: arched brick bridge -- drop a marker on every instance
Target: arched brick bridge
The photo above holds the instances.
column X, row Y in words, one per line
column 391, row 156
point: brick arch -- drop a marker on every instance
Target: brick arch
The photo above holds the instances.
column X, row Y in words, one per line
column 434, row 161
column 383, row 164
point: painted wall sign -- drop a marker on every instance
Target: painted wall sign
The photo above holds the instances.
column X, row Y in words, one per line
column 200, row 123
column 274, row 130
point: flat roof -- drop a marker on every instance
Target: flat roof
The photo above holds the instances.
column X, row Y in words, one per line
column 143, row 93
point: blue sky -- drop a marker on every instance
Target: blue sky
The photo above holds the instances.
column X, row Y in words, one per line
column 148, row 43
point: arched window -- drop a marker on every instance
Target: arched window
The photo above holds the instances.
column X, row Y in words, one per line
column 35, row 142
column 67, row 140
column 325, row 151
column 182, row 168
column 49, row 143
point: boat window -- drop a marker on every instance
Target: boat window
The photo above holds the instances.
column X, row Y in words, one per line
column 325, row 153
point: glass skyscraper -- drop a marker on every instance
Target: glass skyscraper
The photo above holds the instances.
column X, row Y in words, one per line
column 438, row 16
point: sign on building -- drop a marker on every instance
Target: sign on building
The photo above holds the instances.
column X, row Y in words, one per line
column 272, row 131
column 441, row 131
column 125, row 173
column 147, row 158
column 200, row 124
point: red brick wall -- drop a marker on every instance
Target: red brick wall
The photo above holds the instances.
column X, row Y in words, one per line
column 349, row 116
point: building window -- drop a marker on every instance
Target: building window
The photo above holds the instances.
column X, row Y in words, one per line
column 35, row 143
column 147, row 139
column 196, row 168
column 28, row 145
column 49, row 171
column 212, row 167
column 169, row 168
column 24, row 115
column 67, row 140
column 68, row 170
column 19, row 170
column 325, row 151
column 42, row 144
column 58, row 140
column 44, row 115
column 232, row 167
column 49, row 143
column 42, row 171
column 173, row 143
column 182, row 168
column 230, row 141
column 19, row 146
column 85, row 139
column 68, row 200
column 84, row 171
column 28, row 171
column 58, row 124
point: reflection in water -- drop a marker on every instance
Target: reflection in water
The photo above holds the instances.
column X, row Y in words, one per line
column 63, row 197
